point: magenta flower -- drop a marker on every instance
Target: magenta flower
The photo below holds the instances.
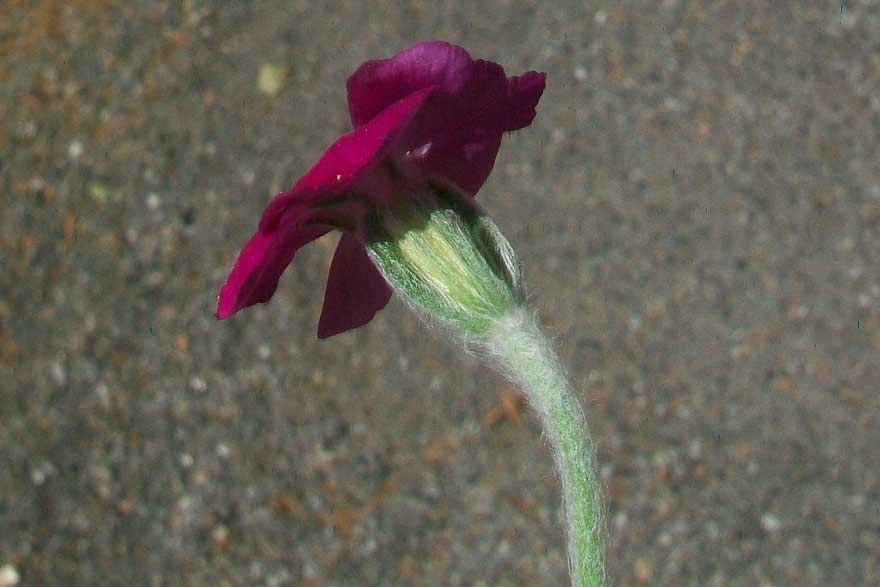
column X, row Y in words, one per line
column 428, row 114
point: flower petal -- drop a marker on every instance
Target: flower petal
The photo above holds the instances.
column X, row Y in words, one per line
column 377, row 84
column 522, row 96
column 457, row 135
column 337, row 192
column 355, row 289
column 260, row 264
column 352, row 164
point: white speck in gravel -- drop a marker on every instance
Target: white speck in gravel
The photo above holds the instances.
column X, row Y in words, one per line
column 41, row 472
column 153, row 201
column 635, row 323
column 580, row 73
column 58, row 373
column 186, row 460
column 248, row 177
column 9, row 576
column 278, row 579
column 198, row 384
column 222, row 450
column 770, row 523
column 695, row 449
column 601, row 17
column 620, row 520
column 264, row 351
column 28, row 129
column 75, row 150
column 712, row 530
column 102, row 390
column 856, row 269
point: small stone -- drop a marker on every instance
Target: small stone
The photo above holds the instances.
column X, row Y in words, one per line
column 75, row 150
column 59, row 373
column 643, row 570
column 220, row 536
column 98, row 192
column 9, row 576
column 125, row 506
column 271, row 78
column 28, row 129
column 580, row 73
column 153, row 201
column 770, row 523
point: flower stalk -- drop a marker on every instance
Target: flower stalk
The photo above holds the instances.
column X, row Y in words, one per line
column 448, row 259
column 527, row 357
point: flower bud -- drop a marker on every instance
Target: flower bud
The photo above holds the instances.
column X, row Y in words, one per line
column 446, row 257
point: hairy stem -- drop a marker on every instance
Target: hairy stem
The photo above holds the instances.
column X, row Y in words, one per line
column 525, row 353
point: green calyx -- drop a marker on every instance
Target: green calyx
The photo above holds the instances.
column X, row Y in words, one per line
column 448, row 258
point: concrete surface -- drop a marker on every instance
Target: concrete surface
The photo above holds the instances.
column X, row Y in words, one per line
column 698, row 209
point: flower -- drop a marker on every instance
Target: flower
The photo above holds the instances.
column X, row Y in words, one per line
column 429, row 115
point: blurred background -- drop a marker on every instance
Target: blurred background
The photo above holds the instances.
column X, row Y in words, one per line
column 697, row 206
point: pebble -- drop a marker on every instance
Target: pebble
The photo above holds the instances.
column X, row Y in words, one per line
column 198, row 384
column 59, row 373
column 643, row 570
column 271, row 78
column 75, row 150
column 770, row 523
column 9, row 576
column 98, row 192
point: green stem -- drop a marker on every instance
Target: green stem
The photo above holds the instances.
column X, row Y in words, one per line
column 524, row 351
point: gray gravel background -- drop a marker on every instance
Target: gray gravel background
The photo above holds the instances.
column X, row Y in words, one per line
column 698, row 209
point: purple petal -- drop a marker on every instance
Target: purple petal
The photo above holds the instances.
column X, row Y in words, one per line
column 355, row 289
column 336, row 193
column 352, row 164
column 521, row 97
column 380, row 83
column 457, row 135
column 260, row 264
